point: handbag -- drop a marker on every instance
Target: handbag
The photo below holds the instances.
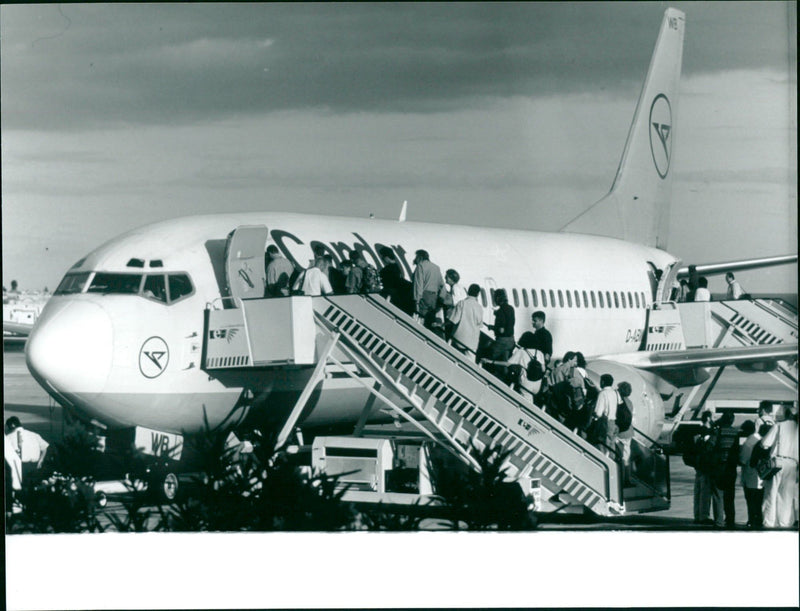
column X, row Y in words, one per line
column 767, row 467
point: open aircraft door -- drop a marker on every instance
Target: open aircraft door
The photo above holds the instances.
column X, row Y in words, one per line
column 245, row 273
column 668, row 277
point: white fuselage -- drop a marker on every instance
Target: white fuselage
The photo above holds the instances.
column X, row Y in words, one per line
column 125, row 359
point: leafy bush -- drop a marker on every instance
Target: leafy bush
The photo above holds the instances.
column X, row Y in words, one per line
column 58, row 504
column 482, row 499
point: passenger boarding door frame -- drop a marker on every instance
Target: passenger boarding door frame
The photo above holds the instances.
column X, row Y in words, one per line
column 245, row 270
column 668, row 276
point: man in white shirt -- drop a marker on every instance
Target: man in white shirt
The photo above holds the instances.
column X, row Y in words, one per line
column 315, row 280
column 751, row 484
column 467, row 317
column 606, row 405
column 780, row 491
column 734, row 288
column 702, row 293
column 29, row 446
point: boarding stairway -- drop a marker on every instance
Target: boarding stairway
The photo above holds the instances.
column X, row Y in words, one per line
column 468, row 407
column 742, row 322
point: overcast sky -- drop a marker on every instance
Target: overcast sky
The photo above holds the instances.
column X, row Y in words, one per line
column 489, row 114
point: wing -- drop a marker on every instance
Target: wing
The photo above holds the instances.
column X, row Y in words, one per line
column 682, row 367
column 714, row 269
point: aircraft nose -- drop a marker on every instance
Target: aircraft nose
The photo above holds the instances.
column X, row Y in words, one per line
column 70, row 348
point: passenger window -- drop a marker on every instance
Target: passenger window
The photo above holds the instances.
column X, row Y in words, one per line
column 600, row 297
column 155, row 288
column 630, row 300
column 636, row 295
column 115, row 284
column 577, row 299
column 516, row 297
column 72, row 283
column 594, row 302
column 585, row 300
column 544, row 299
column 534, row 299
column 622, row 298
column 179, row 286
column 644, row 303
column 525, row 297
column 569, row 299
column 560, row 298
column 491, row 294
column 616, row 299
column 483, row 297
column 608, row 299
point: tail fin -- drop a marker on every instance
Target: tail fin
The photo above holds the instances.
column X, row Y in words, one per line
column 637, row 207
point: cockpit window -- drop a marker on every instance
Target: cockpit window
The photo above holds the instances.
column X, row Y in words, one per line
column 72, row 283
column 115, row 284
column 179, row 286
column 155, row 288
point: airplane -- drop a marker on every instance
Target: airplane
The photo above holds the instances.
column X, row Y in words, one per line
column 121, row 340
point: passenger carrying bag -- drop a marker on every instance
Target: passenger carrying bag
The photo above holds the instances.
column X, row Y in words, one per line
column 371, row 280
column 624, row 416
column 534, row 371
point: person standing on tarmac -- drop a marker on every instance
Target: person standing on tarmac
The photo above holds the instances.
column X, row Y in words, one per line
column 723, row 473
column 428, row 282
column 702, row 482
column 780, row 491
column 29, row 446
column 752, row 485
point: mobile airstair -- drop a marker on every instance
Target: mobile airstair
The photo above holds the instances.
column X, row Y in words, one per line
column 424, row 380
column 732, row 324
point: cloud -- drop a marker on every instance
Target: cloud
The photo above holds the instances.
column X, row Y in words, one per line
column 113, row 64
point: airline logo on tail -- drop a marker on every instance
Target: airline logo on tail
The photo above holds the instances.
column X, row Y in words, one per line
column 660, row 129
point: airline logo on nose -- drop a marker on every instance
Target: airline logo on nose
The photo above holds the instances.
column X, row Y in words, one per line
column 153, row 357
column 660, row 132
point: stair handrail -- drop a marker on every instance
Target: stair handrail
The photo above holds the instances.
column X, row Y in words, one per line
column 480, row 373
column 457, row 358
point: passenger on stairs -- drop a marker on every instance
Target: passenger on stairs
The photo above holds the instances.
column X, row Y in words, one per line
column 279, row 270
column 396, row 288
column 427, row 284
column 356, row 273
column 625, row 434
column 452, row 292
column 467, row 318
column 543, row 338
column 702, row 293
column 523, row 354
column 503, row 328
column 735, row 290
column 605, row 414
column 314, row 281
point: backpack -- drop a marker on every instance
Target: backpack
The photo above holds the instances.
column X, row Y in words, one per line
column 624, row 416
column 534, row 371
column 370, row 280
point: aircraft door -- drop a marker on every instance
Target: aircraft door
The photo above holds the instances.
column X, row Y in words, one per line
column 670, row 273
column 245, row 272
